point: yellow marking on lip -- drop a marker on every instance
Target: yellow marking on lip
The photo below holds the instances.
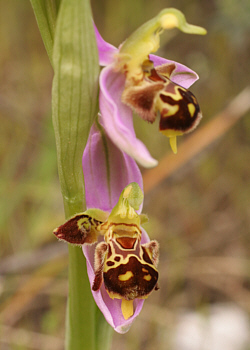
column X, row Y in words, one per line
column 114, row 295
column 172, row 110
column 144, row 270
column 127, row 308
column 126, row 276
column 191, row 108
column 147, row 277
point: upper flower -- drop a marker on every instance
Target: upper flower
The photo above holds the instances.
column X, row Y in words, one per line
column 135, row 80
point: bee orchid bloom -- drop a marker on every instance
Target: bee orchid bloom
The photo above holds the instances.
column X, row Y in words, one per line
column 121, row 259
column 135, row 80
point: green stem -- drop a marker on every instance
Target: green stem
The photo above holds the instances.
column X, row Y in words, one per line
column 80, row 321
column 80, row 318
column 104, row 332
column 86, row 327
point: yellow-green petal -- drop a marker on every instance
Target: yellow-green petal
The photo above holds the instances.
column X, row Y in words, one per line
column 130, row 200
column 146, row 40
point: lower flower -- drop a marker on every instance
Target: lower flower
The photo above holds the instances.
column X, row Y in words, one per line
column 121, row 259
column 124, row 265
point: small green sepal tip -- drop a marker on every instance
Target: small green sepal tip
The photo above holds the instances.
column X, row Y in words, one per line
column 129, row 201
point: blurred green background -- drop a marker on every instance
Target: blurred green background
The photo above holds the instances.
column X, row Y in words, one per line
column 200, row 214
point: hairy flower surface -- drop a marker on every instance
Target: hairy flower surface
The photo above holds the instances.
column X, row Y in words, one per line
column 135, row 80
column 121, row 259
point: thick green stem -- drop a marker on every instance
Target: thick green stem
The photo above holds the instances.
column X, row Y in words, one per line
column 74, row 101
column 104, row 332
column 80, row 317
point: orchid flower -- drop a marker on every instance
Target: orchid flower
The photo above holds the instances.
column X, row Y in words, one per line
column 136, row 80
column 121, row 259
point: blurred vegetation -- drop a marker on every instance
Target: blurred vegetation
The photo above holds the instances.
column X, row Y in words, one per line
column 200, row 214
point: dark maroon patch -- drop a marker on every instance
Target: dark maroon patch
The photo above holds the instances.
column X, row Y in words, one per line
column 110, row 263
column 155, row 77
column 157, row 286
column 146, row 257
column 97, row 281
column 70, row 231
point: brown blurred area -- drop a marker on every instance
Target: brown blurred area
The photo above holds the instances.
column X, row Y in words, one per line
column 199, row 211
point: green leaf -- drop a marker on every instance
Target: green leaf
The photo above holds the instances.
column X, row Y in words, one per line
column 74, row 92
column 46, row 14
